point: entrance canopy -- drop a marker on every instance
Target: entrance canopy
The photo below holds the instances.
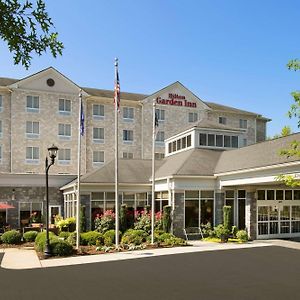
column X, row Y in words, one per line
column 5, row 206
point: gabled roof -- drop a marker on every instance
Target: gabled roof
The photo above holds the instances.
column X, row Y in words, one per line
column 7, row 81
column 257, row 155
column 130, row 171
column 193, row 162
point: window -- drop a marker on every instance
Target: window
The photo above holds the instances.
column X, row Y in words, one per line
column 227, row 141
column 32, row 103
column 160, row 113
column 234, row 142
column 98, row 135
column 219, row 140
column 128, row 155
column 128, row 136
column 211, row 140
column 189, row 140
column 98, row 157
column 203, row 139
column 1, row 129
column 160, row 136
column 243, row 123
column 1, row 103
column 128, row 113
column 28, row 209
column 170, row 147
column 32, row 129
column 64, row 156
column 222, row 120
column 159, row 155
column 64, row 131
column 32, row 154
column 193, row 117
column 64, row 106
column 98, row 111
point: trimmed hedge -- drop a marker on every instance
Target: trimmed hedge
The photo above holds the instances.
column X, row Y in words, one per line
column 30, row 236
column 110, row 237
column 91, row 238
column 168, row 239
column 11, row 237
column 242, row 235
column 64, row 234
column 40, row 240
column 134, row 236
column 60, row 247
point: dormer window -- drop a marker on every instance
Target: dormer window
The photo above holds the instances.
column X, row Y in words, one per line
column 223, row 120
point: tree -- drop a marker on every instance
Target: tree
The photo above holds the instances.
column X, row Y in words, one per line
column 27, row 29
column 285, row 131
column 294, row 112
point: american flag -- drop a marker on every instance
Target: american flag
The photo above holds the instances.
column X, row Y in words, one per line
column 117, row 88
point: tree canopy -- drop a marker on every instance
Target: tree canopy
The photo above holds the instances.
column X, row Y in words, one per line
column 294, row 112
column 27, row 29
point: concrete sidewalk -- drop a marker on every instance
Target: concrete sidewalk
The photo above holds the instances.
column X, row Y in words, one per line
column 27, row 259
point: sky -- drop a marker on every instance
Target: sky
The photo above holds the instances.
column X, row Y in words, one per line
column 224, row 51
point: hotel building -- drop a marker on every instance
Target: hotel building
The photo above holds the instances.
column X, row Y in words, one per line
column 207, row 155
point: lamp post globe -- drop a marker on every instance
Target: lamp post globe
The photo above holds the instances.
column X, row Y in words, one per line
column 52, row 152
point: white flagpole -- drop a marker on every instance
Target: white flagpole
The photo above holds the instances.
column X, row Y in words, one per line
column 116, row 160
column 78, row 173
column 153, row 174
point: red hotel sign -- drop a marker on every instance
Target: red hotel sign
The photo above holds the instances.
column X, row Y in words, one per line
column 177, row 100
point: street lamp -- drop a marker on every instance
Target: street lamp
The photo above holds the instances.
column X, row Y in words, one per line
column 52, row 151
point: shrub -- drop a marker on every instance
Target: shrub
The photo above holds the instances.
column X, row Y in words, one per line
column 40, row 240
column 227, row 217
column 168, row 239
column 30, row 236
column 166, row 219
column 91, row 238
column 242, row 235
column 11, row 237
column 105, row 222
column 60, row 247
column 222, row 232
column 68, row 224
column 158, row 221
column 207, row 230
column 143, row 222
column 123, row 217
column 135, row 237
column 82, row 219
column 64, row 234
column 71, row 239
column 110, row 237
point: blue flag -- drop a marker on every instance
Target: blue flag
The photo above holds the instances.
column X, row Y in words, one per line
column 81, row 120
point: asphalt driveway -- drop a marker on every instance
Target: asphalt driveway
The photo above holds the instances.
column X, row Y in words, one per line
column 255, row 273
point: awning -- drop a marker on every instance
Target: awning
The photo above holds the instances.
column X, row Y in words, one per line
column 5, row 206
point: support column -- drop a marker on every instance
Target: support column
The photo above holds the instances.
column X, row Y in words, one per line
column 250, row 214
column 219, row 203
column 178, row 214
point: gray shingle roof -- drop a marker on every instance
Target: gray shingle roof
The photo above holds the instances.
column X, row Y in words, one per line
column 130, row 171
column 194, row 162
column 7, row 81
column 256, row 155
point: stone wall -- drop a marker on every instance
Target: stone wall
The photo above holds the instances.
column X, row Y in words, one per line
column 219, row 203
column 250, row 218
column 178, row 215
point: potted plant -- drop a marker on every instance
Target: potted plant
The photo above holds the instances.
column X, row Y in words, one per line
column 222, row 233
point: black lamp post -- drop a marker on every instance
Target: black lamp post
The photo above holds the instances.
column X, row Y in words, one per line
column 52, row 154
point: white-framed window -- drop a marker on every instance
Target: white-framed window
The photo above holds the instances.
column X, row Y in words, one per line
column 223, row 120
column 160, row 113
column 1, row 129
column 64, row 131
column 64, row 106
column 127, row 136
column 218, row 140
column 32, row 154
column 98, row 135
column 193, row 117
column 128, row 113
column 160, row 137
column 159, row 155
column 98, row 111
column 32, row 129
column 98, row 157
column 128, row 155
column 64, row 156
column 1, row 103
column 32, row 103
column 243, row 124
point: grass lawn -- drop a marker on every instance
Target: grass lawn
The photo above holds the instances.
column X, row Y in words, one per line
column 217, row 240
